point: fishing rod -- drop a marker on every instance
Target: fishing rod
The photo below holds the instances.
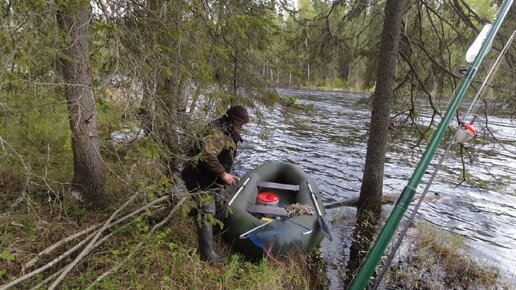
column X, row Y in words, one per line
column 491, row 72
column 462, row 135
column 375, row 253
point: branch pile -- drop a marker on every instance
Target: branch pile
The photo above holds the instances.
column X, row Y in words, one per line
column 94, row 240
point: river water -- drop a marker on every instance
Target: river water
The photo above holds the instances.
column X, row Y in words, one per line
column 329, row 143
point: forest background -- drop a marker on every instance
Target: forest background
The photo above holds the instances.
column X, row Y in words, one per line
column 74, row 72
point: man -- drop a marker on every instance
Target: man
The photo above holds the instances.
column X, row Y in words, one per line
column 209, row 170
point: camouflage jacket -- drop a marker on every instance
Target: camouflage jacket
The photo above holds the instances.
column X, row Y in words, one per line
column 214, row 157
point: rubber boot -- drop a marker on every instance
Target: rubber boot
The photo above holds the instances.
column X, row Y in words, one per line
column 205, row 236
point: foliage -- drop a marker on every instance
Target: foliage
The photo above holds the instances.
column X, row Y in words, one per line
column 339, row 41
column 161, row 70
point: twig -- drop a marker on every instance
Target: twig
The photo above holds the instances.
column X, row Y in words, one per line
column 353, row 201
column 57, row 245
column 47, row 279
column 491, row 132
column 114, row 269
column 98, row 243
column 69, row 252
column 28, row 174
column 464, row 176
column 52, row 263
column 88, row 248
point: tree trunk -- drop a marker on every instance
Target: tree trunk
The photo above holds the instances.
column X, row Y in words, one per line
column 344, row 65
column 88, row 177
column 370, row 200
column 372, row 183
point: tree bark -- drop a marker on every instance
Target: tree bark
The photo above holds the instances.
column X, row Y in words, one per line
column 344, row 66
column 88, row 177
column 372, row 183
column 370, row 200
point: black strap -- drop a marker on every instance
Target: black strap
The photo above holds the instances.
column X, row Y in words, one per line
column 274, row 185
column 267, row 210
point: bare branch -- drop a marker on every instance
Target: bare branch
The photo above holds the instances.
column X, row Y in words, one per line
column 138, row 246
column 76, row 247
column 88, row 248
column 57, row 245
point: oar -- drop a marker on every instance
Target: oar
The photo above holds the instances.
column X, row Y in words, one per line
column 320, row 218
column 308, row 230
column 238, row 192
column 219, row 216
column 246, row 234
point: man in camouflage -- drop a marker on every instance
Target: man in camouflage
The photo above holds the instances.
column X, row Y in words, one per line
column 209, row 170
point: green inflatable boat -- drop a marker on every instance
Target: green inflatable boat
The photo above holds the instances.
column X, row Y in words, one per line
column 273, row 211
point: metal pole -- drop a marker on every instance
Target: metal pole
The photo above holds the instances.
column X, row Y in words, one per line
column 367, row 268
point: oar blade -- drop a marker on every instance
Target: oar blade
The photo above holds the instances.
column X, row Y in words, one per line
column 325, row 229
column 320, row 217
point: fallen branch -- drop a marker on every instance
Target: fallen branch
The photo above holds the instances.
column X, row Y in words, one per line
column 98, row 243
column 88, row 248
column 76, row 247
column 114, row 269
column 47, row 279
column 386, row 199
column 45, row 267
column 48, row 250
column 57, row 245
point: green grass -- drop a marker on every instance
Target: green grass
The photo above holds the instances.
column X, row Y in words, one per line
column 168, row 259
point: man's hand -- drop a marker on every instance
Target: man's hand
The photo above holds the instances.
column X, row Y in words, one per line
column 229, row 179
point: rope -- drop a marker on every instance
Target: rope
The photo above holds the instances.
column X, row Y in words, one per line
column 472, row 107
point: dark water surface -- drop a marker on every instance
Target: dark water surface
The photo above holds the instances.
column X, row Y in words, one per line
column 329, row 143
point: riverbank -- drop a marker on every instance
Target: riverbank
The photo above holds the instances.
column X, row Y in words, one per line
column 138, row 252
column 428, row 258
column 167, row 258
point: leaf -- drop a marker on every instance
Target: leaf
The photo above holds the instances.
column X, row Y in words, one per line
column 7, row 256
column 116, row 252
